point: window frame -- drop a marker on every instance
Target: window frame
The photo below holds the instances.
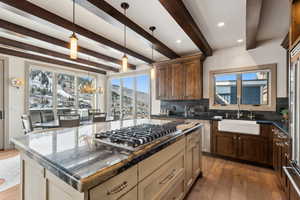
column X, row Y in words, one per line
column 57, row 70
column 272, row 91
column 125, row 75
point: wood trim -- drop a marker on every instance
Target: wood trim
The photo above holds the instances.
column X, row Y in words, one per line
column 181, row 15
column 114, row 13
column 286, row 41
column 253, row 17
column 272, row 93
column 48, row 60
column 39, row 12
column 49, row 39
column 182, row 59
column 24, row 46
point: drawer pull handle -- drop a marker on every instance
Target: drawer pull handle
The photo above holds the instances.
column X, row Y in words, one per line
column 168, row 178
column 118, row 188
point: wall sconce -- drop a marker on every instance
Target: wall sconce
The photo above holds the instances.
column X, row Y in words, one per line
column 17, row 82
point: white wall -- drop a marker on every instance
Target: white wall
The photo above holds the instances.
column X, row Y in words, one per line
column 266, row 53
column 17, row 98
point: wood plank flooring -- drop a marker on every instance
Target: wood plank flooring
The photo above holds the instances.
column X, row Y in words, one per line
column 11, row 193
column 222, row 180
column 227, row 180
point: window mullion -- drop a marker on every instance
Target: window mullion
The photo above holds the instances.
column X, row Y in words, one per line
column 239, row 88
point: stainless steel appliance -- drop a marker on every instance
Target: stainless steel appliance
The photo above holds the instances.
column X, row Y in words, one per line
column 137, row 137
column 294, row 103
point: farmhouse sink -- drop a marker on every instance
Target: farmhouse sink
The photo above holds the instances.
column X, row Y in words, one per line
column 239, row 126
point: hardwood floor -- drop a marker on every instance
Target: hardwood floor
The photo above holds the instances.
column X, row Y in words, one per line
column 222, row 180
column 227, row 180
column 11, row 193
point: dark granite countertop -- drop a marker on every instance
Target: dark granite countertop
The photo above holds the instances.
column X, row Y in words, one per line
column 75, row 157
column 283, row 126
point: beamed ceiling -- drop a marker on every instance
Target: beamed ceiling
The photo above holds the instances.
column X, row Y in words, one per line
column 42, row 28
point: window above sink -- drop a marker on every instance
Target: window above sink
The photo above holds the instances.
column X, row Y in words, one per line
column 254, row 88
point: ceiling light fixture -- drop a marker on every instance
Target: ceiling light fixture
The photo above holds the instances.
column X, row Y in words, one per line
column 178, row 41
column 240, row 40
column 152, row 29
column 221, row 24
column 73, row 39
column 125, row 6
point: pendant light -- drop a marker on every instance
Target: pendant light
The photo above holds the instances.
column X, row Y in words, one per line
column 152, row 29
column 125, row 6
column 73, row 39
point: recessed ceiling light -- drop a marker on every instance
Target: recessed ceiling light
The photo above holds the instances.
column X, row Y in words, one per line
column 221, row 24
column 178, row 41
column 240, row 40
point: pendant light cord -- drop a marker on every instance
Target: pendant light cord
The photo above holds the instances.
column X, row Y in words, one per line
column 74, row 12
column 124, row 30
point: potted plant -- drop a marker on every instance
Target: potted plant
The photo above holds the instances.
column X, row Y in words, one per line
column 285, row 114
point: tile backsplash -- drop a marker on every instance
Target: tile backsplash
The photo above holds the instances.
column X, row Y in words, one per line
column 201, row 107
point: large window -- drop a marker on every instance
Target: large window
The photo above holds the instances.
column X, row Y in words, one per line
column 58, row 90
column 85, row 100
column 65, row 91
column 40, row 89
column 251, row 88
column 130, row 97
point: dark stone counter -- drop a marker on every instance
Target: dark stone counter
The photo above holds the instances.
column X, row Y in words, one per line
column 75, row 157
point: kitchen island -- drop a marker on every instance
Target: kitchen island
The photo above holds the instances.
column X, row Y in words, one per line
column 71, row 164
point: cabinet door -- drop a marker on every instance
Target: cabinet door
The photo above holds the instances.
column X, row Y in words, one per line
column 178, row 81
column 193, row 82
column 225, row 144
column 253, row 148
column 189, row 167
column 196, row 160
column 161, row 75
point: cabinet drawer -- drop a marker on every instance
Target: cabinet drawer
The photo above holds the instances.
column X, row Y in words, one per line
column 148, row 166
column 115, row 187
column 160, row 182
column 131, row 195
column 176, row 192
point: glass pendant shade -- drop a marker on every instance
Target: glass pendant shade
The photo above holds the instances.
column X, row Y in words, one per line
column 73, row 46
column 124, row 63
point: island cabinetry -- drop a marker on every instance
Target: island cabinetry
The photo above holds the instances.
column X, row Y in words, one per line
column 246, row 147
column 180, row 79
column 163, row 180
column 116, row 187
column 192, row 159
column 161, row 176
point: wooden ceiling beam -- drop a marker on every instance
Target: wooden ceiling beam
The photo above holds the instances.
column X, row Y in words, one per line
column 253, row 17
column 29, row 47
column 110, row 10
column 181, row 15
column 51, row 40
column 39, row 12
column 29, row 56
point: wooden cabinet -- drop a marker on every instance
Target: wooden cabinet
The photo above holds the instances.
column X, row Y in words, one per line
column 163, row 180
column 193, row 81
column 281, row 156
column 246, row 147
column 253, row 148
column 225, row 144
column 192, row 158
column 162, row 82
column 180, row 79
